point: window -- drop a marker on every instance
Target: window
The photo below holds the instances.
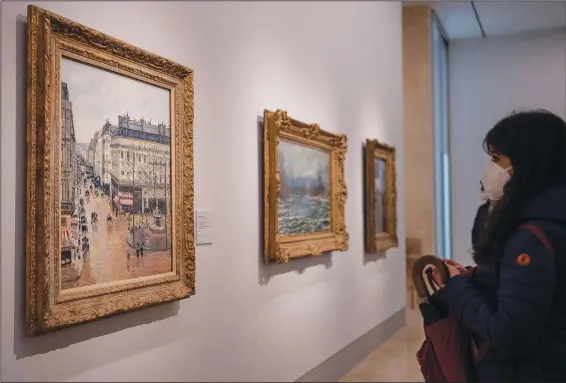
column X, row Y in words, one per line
column 442, row 190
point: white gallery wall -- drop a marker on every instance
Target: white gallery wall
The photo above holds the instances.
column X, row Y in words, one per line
column 334, row 63
column 488, row 80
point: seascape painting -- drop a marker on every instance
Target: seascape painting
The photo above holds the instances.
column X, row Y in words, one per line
column 304, row 197
column 115, row 195
column 379, row 181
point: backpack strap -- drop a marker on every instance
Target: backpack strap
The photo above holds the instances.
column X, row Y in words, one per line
column 537, row 232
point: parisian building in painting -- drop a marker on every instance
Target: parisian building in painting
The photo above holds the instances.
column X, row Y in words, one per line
column 103, row 156
column 141, row 165
column 68, row 158
column 131, row 162
column 81, row 150
column 90, row 152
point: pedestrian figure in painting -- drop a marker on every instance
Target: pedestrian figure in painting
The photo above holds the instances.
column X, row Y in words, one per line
column 128, row 255
column 85, row 247
column 137, row 250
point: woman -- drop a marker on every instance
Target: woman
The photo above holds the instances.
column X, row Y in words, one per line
column 515, row 301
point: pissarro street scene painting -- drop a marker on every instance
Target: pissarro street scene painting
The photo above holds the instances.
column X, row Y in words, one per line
column 379, row 180
column 304, row 197
column 115, row 175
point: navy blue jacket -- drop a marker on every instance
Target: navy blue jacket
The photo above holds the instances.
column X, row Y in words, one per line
column 519, row 306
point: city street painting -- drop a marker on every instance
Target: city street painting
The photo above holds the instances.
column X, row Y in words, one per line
column 305, row 193
column 304, row 196
column 110, row 176
column 115, row 177
column 380, row 193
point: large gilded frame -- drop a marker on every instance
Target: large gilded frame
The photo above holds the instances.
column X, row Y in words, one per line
column 281, row 249
column 50, row 37
column 378, row 242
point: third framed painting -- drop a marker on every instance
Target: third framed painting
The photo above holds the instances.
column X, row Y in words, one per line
column 380, row 197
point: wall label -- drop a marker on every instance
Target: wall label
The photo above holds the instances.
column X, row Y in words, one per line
column 203, row 218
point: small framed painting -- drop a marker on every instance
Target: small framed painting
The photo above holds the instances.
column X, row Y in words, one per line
column 304, row 189
column 109, row 175
column 380, row 197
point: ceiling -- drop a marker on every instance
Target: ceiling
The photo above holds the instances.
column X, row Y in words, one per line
column 498, row 18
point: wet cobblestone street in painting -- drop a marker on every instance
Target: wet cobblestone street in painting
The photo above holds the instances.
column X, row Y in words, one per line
column 107, row 261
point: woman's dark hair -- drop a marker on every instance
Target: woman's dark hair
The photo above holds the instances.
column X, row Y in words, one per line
column 535, row 142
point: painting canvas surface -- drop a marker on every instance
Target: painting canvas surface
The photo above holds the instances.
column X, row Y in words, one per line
column 304, row 197
column 115, row 191
column 379, row 180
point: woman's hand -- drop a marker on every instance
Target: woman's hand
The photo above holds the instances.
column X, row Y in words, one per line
column 452, row 271
column 458, row 266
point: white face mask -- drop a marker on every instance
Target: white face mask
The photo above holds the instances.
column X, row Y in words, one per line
column 493, row 179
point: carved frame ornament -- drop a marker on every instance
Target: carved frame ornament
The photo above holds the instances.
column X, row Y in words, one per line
column 281, row 249
column 378, row 242
column 48, row 307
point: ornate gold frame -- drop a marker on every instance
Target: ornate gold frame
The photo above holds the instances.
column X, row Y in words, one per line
column 282, row 249
column 377, row 242
column 48, row 308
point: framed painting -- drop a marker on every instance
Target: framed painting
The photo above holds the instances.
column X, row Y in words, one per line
column 304, row 189
column 380, row 197
column 109, row 175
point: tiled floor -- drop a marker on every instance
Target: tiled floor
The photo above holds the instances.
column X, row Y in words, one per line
column 394, row 360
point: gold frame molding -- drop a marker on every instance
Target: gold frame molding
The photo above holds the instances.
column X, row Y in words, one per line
column 48, row 308
column 378, row 242
column 281, row 249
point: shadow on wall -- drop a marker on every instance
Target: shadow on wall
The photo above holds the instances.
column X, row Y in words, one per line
column 374, row 257
column 26, row 346
column 299, row 265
